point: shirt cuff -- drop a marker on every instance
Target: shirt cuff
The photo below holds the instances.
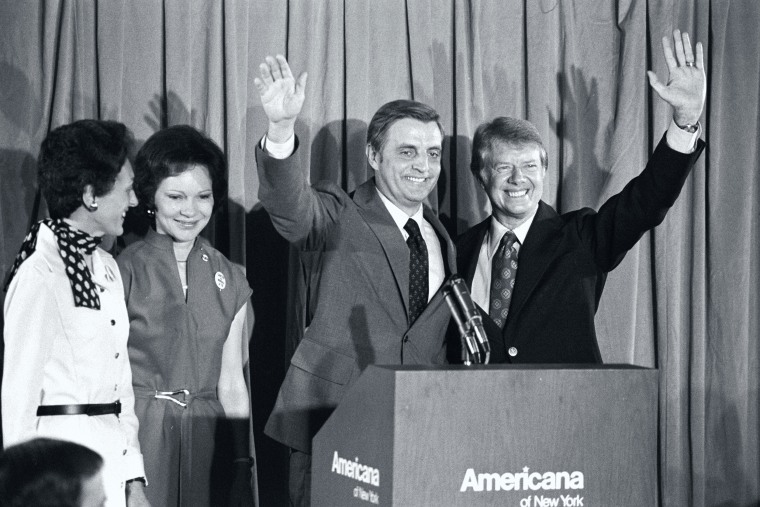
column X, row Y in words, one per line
column 133, row 467
column 278, row 150
column 680, row 140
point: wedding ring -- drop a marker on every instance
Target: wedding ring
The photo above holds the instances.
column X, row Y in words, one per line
column 690, row 64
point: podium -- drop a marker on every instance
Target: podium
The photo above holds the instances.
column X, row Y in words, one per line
column 506, row 435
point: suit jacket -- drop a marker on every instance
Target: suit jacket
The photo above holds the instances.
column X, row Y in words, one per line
column 361, row 298
column 563, row 264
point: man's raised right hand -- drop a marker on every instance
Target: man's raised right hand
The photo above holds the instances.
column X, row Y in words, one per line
column 282, row 96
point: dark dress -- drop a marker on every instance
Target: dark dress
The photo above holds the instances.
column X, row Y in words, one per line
column 177, row 345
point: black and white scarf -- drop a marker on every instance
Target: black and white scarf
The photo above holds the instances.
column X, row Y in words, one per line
column 73, row 244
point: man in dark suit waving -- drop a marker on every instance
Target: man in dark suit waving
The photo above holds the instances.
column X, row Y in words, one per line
column 539, row 275
column 380, row 256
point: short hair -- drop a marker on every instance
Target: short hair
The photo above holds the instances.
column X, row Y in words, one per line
column 391, row 112
column 46, row 471
column 503, row 129
column 85, row 152
column 172, row 151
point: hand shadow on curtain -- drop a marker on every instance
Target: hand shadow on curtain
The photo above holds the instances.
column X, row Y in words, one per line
column 582, row 181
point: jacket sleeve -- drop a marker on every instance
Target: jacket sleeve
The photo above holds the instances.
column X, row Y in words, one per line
column 32, row 320
column 133, row 465
column 302, row 214
column 639, row 207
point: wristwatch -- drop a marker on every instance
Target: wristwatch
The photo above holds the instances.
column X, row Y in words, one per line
column 689, row 127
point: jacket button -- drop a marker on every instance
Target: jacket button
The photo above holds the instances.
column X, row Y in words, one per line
column 116, row 356
column 406, row 339
column 512, row 351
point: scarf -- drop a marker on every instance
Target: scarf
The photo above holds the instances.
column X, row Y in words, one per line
column 73, row 244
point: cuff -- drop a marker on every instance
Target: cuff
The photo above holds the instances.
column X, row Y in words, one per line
column 681, row 140
column 279, row 150
column 134, row 468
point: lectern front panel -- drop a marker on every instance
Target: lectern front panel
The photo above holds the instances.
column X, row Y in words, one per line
column 506, row 436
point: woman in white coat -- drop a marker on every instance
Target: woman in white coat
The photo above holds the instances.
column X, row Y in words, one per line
column 66, row 371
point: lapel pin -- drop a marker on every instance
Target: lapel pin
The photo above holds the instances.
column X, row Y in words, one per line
column 221, row 282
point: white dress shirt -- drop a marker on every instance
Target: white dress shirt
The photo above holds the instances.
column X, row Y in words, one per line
column 436, row 272
column 481, row 281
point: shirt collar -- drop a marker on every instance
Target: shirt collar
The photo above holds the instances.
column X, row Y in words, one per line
column 165, row 242
column 497, row 229
column 400, row 217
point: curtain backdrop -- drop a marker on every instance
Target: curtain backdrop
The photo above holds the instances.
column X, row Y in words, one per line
column 684, row 300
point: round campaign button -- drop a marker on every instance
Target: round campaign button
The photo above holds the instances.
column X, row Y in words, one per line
column 221, row 282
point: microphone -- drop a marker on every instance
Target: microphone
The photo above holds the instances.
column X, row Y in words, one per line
column 468, row 320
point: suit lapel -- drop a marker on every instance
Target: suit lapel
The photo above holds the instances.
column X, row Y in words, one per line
column 380, row 222
column 468, row 249
column 535, row 255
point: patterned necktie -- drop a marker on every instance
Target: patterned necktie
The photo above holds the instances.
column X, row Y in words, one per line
column 418, row 270
column 72, row 244
column 503, row 271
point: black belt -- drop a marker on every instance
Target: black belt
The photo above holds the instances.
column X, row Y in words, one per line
column 87, row 409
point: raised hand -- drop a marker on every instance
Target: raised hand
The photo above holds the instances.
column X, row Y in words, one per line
column 282, row 96
column 686, row 88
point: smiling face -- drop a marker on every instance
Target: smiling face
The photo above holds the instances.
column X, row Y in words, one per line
column 407, row 168
column 112, row 208
column 513, row 177
column 184, row 204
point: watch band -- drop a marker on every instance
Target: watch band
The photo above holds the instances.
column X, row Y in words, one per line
column 691, row 128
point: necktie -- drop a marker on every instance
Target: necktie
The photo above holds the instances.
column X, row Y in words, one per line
column 503, row 271
column 418, row 270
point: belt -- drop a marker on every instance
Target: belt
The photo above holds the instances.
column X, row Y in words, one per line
column 89, row 409
column 181, row 397
column 170, row 396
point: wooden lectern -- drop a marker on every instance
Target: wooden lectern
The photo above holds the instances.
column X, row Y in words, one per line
column 506, row 435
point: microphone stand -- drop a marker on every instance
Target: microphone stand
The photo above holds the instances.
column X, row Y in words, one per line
column 475, row 347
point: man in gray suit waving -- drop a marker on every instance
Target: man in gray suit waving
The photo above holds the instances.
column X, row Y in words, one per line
column 381, row 257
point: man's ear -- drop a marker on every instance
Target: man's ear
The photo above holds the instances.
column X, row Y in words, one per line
column 373, row 157
column 479, row 178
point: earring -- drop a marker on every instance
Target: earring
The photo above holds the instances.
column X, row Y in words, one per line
column 151, row 212
column 93, row 206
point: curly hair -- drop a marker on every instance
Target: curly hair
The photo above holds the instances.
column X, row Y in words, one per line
column 46, row 471
column 82, row 153
column 172, row 151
